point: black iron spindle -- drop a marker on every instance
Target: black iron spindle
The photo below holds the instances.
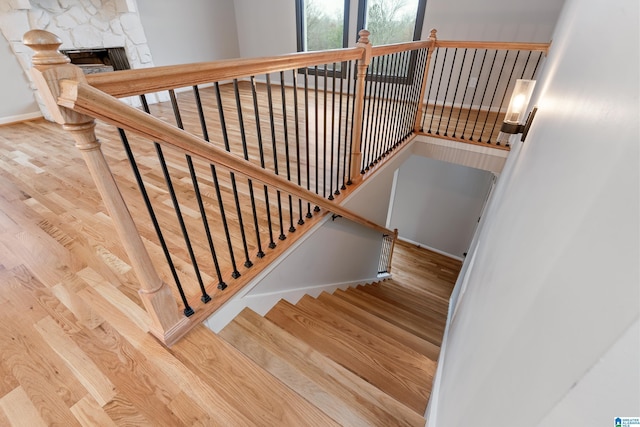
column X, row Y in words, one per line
column 333, row 115
column 203, row 125
column 316, row 128
column 254, row 93
column 286, row 147
column 306, row 135
column 275, row 155
column 446, row 93
column 296, row 116
column 473, row 97
column 174, row 199
column 188, row 311
column 484, row 92
column 504, row 94
column 435, row 102
column 431, row 79
column 366, row 134
column 324, row 133
column 495, row 90
column 347, row 146
column 340, row 142
column 243, row 136
column 223, row 217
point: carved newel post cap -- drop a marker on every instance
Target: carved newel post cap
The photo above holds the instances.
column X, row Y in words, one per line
column 432, row 34
column 45, row 45
column 363, row 36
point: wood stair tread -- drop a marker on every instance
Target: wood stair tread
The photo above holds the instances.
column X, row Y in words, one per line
column 239, row 380
column 366, row 334
column 414, row 306
column 393, row 314
column 364, row 318
column 344, row 396
column 380, row 370
column 420, row 298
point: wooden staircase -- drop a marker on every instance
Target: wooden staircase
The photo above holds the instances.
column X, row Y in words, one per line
column 361, row 357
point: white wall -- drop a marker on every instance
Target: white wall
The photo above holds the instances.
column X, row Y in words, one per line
column 190, row 31
column 554, row 287
column 269, row 27
column 437, row 204
column 492, row 20
column 17, row 101
column 265, row 28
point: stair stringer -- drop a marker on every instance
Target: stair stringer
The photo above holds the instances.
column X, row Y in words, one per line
column 335, row 253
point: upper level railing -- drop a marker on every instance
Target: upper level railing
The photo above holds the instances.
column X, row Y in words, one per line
column 231, row 157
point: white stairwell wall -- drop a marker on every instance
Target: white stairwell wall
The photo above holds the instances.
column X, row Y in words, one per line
column 335, row 254
column 546, row 332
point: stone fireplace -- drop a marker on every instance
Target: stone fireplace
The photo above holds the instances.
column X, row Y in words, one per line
column 80, row 24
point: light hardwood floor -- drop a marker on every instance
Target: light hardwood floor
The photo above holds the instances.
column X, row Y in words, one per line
column 74, row 345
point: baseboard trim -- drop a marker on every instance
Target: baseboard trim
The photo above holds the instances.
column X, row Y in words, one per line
column 20, row 118
column 438, row 251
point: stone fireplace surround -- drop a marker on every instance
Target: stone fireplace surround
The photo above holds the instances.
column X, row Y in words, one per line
column 80, row 24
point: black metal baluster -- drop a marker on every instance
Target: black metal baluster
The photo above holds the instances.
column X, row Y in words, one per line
column 414, row 92
column 223, row 216
column 337, row 190
column 333, row 115
column 254, row 92
column 376, row 114
column 324, row 133
column 225, row 137
column 386, row 141
column 395, row 115
column 243, row 136
column 286, row 147
column 353, row 109
column 504, row 94
column 446, row 93
column 188, row 311
column 524, row 69
column 537, row 64
column 484, row 56
column 407, row 124
column 203, row 124
column 366, row 136
column 316, row 208
column 296, row 117
column 435, row 104
column 426, row 108
column 403, row 98
column 484, row 92
column 347, row 147
column 174, row 199
column 495, row 90
column 275, row 155
column 456, row 93
column 306, row 135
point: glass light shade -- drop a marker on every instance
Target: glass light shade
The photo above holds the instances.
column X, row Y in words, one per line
column 519, row 101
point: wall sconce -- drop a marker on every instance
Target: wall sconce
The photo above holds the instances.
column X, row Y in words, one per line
column 515, row 112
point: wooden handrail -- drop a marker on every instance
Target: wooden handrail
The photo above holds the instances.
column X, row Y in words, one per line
column 423, row 44
column 146, row 80
column 85, row 99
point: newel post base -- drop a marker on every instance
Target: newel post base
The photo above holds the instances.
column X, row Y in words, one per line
column 50, row 68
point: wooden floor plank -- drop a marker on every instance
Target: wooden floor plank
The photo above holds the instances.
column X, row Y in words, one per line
column 241, row 381
column 366, row 319
column 19, row 410
column 90, row 414
column 344, row 396
column 375, row 368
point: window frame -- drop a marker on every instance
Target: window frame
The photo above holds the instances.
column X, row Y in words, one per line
column 417, row 34
column 300, row 41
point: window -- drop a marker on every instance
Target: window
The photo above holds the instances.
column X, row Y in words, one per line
column 391, row 21
column 322, row 24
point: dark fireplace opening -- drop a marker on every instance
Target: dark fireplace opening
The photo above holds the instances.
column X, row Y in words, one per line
column 99, row 60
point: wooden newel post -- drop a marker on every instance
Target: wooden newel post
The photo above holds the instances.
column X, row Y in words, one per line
column 355, row 174
column 417, row 127
column 50, row 67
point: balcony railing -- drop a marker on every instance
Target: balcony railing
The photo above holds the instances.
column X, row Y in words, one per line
column 233, row 157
